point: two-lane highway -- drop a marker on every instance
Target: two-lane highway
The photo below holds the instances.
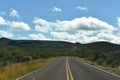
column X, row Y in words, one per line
column 70, row 69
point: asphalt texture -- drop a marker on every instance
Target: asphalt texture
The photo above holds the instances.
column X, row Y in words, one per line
column 79, row 70
column 54, row 71
column 83, row 71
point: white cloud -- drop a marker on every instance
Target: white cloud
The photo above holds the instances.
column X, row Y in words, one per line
column 84, row 37
column 19, row 26
column 62, row 35
column 108, row 37
column 5, row 34
column 38, row 37
column 118, row 22
column 42, row 25
column 3, row 21
column 81, row 37
column 41, row 29
column 14, row 13
column 84, row 30
column 56, row 9
column 84, row 23
column 81, row 8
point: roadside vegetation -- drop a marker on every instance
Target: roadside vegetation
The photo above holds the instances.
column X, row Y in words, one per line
column 11, row 55
column 18, row 52
column 104, row 55
column 13, row 71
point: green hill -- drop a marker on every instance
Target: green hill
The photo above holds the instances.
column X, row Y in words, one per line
column 23, row 50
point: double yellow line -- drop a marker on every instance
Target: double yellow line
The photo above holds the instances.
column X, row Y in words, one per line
column 68, row 71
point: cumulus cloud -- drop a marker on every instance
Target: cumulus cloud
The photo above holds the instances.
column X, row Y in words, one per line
column 84, row 29
column 42, row 25
column 81, row 8
column 5, row 34
column 14, row 13
column 38, row 36
column 108, row 37
column 14, row 25
column 41, row 29
column 83, row 23
column 19, row 26
column 77, row 37
column 62, row 35
column 86, row 37
column 118, row 22
column 3, row 21
column 56, row 9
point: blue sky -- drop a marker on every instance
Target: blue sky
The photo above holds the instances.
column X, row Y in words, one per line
column 81, row 21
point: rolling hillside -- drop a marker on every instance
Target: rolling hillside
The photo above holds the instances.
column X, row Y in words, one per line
column 35, row 49
column 97, row 46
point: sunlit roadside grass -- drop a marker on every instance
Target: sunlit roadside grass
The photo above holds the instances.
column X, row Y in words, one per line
column 115, row 70
column 14, row 71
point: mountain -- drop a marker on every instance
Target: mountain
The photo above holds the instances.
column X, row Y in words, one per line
column 4, row 40
column 96, row 46
column 17, row 50
column 102, row 46
column 45, row 45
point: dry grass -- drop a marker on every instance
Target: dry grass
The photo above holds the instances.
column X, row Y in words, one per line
column 87, row 61
column 11, row 72
column 113, row 70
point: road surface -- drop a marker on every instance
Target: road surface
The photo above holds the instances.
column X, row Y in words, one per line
column 69, row 69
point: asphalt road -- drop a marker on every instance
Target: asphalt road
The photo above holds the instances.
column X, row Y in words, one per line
column 54, row 71
column 70, row 69
column 83, row 71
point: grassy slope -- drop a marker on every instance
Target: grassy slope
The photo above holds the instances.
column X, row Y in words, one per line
column 11, row 72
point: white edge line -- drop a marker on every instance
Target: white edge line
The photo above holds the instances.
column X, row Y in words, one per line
column 29, row 73
column 34, row 71
column 101, row 69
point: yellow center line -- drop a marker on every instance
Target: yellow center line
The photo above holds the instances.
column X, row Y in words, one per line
column 68, row 71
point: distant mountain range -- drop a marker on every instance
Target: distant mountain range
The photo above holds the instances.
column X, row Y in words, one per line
column 17, row 50
column 97, row 46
